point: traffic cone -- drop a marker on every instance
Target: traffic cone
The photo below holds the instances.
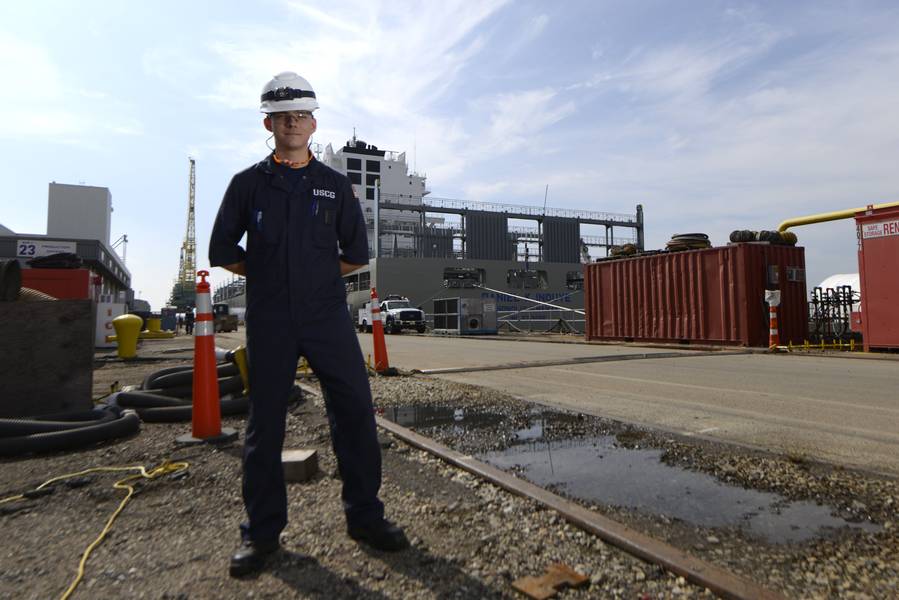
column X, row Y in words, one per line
column 206, row 422
column 377, row 332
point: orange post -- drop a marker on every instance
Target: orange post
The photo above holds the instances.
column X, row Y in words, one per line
column 377, row 332
column 773, row 336
column 206, row 421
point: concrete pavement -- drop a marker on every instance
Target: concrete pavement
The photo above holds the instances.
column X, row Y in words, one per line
column 840, row 410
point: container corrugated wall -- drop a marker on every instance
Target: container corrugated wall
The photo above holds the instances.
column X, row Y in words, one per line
column 878, row 235
column 714, row 296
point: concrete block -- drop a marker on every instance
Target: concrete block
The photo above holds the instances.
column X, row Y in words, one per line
column 299, row 465
column 47, row 351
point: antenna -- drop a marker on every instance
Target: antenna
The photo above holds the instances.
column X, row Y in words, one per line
column 545, row 195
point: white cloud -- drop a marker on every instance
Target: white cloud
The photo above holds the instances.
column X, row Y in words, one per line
column 517, row 118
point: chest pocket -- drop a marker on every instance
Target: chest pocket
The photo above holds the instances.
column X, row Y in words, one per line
column 324, row 226
column 267, row 219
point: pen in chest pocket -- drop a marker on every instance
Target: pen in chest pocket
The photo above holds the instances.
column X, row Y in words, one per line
column 258, row 220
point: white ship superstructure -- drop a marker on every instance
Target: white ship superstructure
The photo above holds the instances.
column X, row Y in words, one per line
column 372, row 172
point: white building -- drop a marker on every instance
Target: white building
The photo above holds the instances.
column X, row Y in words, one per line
column 368, row 167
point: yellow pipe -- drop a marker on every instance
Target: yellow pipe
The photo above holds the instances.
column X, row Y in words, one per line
column 830, row 216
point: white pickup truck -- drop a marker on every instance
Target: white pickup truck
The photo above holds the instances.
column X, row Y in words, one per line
column 396, row 314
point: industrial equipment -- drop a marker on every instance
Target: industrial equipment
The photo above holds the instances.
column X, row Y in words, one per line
column 184, row 291
column 465, row 316
column 224, row 320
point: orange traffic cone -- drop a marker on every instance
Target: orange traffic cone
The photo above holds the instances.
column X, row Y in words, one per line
column 377, row 332
column 206, row 418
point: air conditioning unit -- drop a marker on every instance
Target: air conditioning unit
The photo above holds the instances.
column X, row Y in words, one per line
column 464, row 316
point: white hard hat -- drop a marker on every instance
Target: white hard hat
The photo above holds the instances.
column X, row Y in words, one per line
column 287, row 91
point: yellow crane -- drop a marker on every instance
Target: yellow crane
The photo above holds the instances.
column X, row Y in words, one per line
column 184, row 291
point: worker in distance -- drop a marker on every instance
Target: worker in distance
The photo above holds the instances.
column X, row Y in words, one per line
column 305, row 229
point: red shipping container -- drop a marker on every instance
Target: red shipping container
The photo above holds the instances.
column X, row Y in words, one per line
column 64, row 284
column 878, row 269
column 713, row 296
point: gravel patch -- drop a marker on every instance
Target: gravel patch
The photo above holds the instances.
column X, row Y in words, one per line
column 849, row 564
column 470, row 539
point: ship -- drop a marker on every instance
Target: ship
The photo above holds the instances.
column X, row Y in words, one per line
column 430, row 249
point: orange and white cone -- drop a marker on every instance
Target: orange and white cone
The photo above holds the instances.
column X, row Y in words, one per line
column 206, row 421
column 377, row 332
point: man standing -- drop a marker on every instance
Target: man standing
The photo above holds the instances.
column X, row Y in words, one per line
column 305, row 229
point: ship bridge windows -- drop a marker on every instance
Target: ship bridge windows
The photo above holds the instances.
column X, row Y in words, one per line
column 464, row 277
column 355, row 177
column 354, row 164
column 373, row 166
column 369, row 193
column 523, row 279
column 371, row 178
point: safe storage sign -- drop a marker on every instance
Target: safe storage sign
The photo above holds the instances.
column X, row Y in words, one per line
column 882, row 229
column 38, row 248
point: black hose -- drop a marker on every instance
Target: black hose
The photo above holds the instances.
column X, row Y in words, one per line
column 183, row 376
column 155, row 408
column 51, row 423
column 124, row 423
column 150, row 379
column 227, row 385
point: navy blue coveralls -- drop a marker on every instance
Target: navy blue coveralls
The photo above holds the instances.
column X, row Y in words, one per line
column 299, row 224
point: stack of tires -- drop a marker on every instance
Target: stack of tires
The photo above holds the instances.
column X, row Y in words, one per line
column 688, row 241
column 784, row 238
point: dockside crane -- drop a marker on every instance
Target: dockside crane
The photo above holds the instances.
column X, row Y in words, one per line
column 184, row 291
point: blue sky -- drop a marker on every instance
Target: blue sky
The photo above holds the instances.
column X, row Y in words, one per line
column 715, row 115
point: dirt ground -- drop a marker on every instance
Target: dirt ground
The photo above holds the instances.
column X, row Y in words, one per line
column 470, row 539
column 173, row 539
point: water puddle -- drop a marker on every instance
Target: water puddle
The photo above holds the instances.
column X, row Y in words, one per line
column 596, row 469
column 419, row 417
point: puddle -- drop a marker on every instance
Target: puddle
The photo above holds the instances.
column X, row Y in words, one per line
column 596, row 469
column 438, row 416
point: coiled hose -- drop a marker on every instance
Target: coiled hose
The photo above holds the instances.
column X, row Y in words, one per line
column 52, row 433
column 166, row 395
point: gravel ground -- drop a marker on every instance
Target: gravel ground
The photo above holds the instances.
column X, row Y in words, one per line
column 848, row 564
column 470, row 538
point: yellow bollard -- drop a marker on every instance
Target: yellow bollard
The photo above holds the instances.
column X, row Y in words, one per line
column 852, row 345
column 240, row 359
column 127, row 328
column 154, row 324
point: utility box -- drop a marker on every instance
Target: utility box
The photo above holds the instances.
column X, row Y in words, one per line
column 878, row 257
column 465, row 316
column 106, row 312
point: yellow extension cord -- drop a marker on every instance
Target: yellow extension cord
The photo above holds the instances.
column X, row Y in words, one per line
column 165, row 468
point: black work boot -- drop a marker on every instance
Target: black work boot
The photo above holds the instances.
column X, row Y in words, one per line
column 381, row 535
column 251, row 556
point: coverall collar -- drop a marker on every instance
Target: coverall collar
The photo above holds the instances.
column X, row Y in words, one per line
column 267, row 166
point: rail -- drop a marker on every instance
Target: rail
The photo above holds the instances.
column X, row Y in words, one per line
column 519, row 209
